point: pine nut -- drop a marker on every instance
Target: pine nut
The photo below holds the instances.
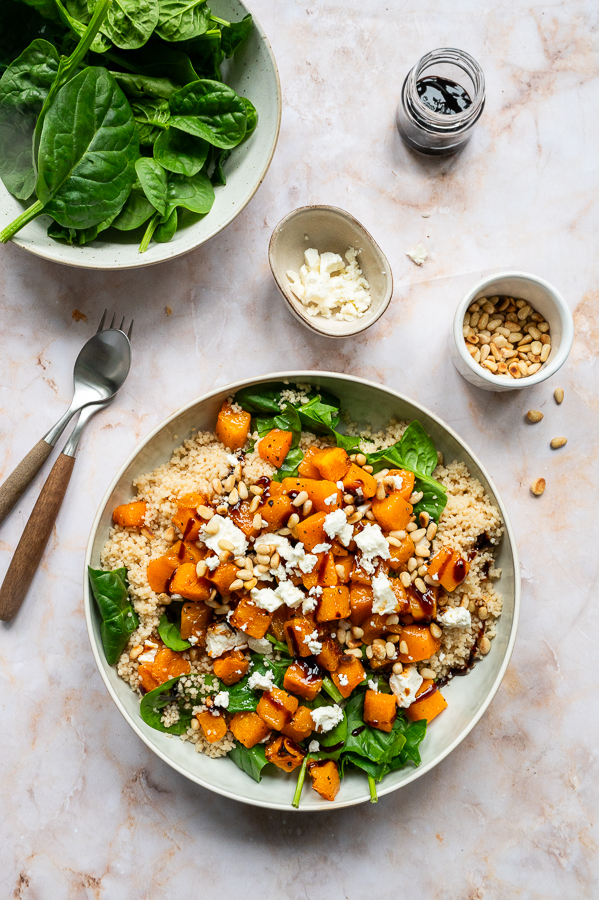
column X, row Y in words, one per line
column 205, row 512
column 559, row 395
column 524, row 312
column 222, row 610
column 428, row 674
column 380, row 491
column 400, row 535
column 349, row 510
column 545, row 352
column 245, row 575
column 370, row 515
column 488, row 306
column 484, row 645
column 411, row 527
column 514, row 370
column 393, row 619
column 393, row 542
column 201, row 569
column 243, row 491
column 368, row 469
column 397, row 668
column 212, row 527
column 422, row 570
column 534, row 367
column 393, row 638
column 217, row 486
column 357, row 631
column 257, row 522
column 493, row 324
column 536, row 347
column 195, row 725
column 340, row 571
column 403, row 648
column 222, row 509
column 499, row 341
column 300, row 499
column 428, row 580
column 369, row 651
column 355, row 518
column 422, row 551
column 482, row 322
column 250, row 585
column 405, row 579
column 360, row 459
column 229, row 483
column 307, row 508
column 236, row 585
column 483, row 613
column 390, row 649
column 525, row 340
column 293, row 520
column 255, row 503
column 416, row 497
column 490, row 365
column 262, row 559
column 533, row 331
column 543, row 327
column 420, row 585
column 348, row 498
column 169, row 534
column 358, row 653
column 417, row 535
column 275, row 561
column 431, row 531
column 412, row 564
column 135, row 652
column 559, row 442
column 435, row 630
column 534, row 415
column 256, row 489
column 234, row 497
column 224, row 544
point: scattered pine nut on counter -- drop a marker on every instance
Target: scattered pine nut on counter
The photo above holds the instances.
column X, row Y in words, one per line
column 538, row 486
column 534, row 415
column 507, row 337
column 558, row 394
column 559, row 442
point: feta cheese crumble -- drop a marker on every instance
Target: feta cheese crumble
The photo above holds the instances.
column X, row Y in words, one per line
column 385, row 601
column 258, row 682
column 326, row 717
column 373, row 544
column 221, row 637
column 455, row 617
column 260, row 645
column 336, row 525
column 266, row 599
column 404, row 686
column 313, row 643
column 222, row 699
column 313, row 747
column 418, row 254
column 226, row 531
column 332, row 498
column 329, row 287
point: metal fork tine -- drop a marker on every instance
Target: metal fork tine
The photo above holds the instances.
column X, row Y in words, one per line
column 122, row 323
column 112, row 323
column 102, row 320
column 130, row 330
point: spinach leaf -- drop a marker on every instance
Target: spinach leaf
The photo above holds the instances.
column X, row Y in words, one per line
column 77, row 236
column 243, row 698
column 210, row 110
column 19, row 28
column 261, row 398
column 151, row 118
column 369, row 748
column 45, row 8
column 170, row 634
column 145, row 86
column 414, row 733
column 418, row 450
column 195, row 193
column 320, row 413
column 250, row 760
column 118, row 616
column 179, row 152
column 180, row 20
column 135, row 212
column 252, row 114
column 152, row 178
column 335, row 739
column 433, row 500
column 157, row 60
column 289, row 469
column 23, row 88
column 232, row 34
column 206, row 54
column 219, row 157
column 98, row 44
column 153, row 703
column 130, row 23
column 166, row 228
column 287, row 420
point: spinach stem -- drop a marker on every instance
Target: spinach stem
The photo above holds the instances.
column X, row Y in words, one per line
column 332, row 690
column 34, row 210
column 300, row 782
column 216, row 19
column 373, row 794
column 152, row 226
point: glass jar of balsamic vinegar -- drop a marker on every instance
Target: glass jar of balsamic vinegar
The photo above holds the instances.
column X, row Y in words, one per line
column 442, row 98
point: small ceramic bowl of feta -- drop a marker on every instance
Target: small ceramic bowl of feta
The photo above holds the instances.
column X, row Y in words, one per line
column 333, row 275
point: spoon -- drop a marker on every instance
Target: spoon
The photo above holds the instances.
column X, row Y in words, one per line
column 100, row 370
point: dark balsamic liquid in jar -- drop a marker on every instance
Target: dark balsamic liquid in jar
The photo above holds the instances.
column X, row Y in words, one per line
column 442, row 95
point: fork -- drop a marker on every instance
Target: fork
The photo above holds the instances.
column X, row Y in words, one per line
column 30, row 548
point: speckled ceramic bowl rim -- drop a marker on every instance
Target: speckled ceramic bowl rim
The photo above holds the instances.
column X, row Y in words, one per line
column 547, row 370
column 148, row 261
column 300, row 376
column 310, row 321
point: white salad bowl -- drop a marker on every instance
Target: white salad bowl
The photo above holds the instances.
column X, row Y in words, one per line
column 468, row 698
column 544, row 299
column 252, row 72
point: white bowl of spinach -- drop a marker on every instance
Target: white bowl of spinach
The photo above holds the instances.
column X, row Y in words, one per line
column 130, row 132
column 109, row 622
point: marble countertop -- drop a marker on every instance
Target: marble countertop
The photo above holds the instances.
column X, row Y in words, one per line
column 88, row 811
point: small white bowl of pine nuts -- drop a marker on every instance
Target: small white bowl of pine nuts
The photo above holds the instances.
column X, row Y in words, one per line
column 511, row 331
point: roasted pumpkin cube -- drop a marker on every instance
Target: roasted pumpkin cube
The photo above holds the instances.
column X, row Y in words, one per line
column 401, row 595
column 400, row 555
column 130, row 515
column 301, row 725
column 249, row 618
column 275, row 446
column 191, row 500
column 419, row 642
column 357, row 479
column 276, row 708
column 346, row 563
column 276, row 509
column 448, row 568
column 311, row 531
column 327, row 573
column 186, row 582
column 195, row 619
column 404, row 482
column 298, row 633
column 232, row 426
column 248, row 728
column 187, row 521
column 146, row 679
column 310, row 579
column 159, row 572
column 334, row 604
column 318, row 492
column 360, row 600
column 358, row 574
column 307, row 467
column 168, row 664
column 223, row 577
column 231, row 667
column 243, row 517
column 213, row 724
column 303, row 679
column 325, row 778
column 373, row 626
column 421, row 606
column 432, row 703
column 330, row 655
column 333, row 463
column 284, row 753
column 186, row 551
column 348, row 675
column 393, row 513
column 380, row 710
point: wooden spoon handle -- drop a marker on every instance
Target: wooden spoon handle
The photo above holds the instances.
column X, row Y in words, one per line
column 33, row 541
column 17, row 482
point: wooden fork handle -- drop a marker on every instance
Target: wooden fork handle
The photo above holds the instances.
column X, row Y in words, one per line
column 19, row 480
column 33, row 541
